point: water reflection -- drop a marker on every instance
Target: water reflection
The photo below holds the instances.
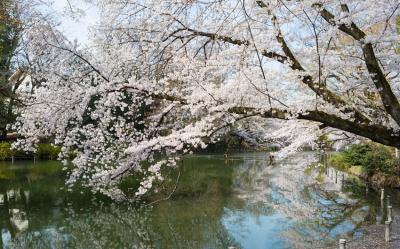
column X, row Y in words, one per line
column 238, row 203
column 293, row 210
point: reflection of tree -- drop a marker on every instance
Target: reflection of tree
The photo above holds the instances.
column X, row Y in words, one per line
column 110, row 226
column 13, row 212
column 102, row 227
column 334, row 215
column 201, row 176
column 191, row 223
column 191, row 219
column 316, row 211
column 25, row 187
column 195, row 216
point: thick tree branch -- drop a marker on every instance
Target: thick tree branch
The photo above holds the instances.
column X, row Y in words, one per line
column 376, row 133
column 319, row 89
column 215, row 37
column 81, row 58
column 326, row 94
column 390, row 101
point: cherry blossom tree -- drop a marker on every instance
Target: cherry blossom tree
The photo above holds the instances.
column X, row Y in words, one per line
column 166, row 77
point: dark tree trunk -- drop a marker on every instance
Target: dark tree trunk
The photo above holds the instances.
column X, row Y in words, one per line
column 3, row 134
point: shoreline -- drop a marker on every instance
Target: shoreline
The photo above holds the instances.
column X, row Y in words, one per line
column 374, row 237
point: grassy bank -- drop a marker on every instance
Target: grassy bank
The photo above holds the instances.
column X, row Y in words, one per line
column 43, row 151
column 373, row 162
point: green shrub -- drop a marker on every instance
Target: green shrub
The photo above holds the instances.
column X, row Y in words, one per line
column 43, row 151
column 356, row 153
column 371, row 157
column 47, row 151
column 394, row 165
column 378, row 159
column 5, row 150
column 339, row 161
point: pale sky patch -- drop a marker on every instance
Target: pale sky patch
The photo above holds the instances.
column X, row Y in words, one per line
column 75, row 25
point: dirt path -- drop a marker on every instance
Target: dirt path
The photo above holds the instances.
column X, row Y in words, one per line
column 375, row 237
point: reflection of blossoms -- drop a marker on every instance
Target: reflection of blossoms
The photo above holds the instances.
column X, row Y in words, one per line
column 314, row 212
column 128, row 228
column 105, row 227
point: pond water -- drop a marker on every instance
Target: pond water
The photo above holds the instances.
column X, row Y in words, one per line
column 238, row 203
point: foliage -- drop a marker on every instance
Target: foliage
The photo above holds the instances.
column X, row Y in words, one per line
column 324, row 141
column 43, row 151
column 166, row 77
column 47, row 151
column 5, row 151
column 371, row 157
column 356, row 154
column 10, row 28
column 339, row 161
column 378, row 159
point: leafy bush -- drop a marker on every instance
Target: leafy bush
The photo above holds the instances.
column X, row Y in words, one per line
column 43, row 151
column 47, row 151
column 394, row 165
column 355, row 155
column 5, row 150
column 371, row 157
column 339, row 161
column 378, row 159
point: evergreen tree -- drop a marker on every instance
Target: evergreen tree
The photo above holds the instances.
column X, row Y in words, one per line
column 10, row 29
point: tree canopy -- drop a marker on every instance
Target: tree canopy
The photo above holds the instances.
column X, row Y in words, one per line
column 164, row 77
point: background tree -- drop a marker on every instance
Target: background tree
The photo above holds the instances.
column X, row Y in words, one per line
column 20, row 63
column 12, row 72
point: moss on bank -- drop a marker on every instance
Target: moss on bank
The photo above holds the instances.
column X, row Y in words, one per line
column 374, row 162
